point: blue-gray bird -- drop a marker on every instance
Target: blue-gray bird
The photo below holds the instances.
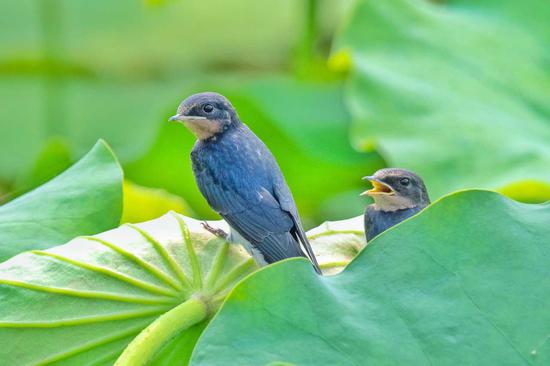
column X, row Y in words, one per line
column 241, row 181
column 398, row 194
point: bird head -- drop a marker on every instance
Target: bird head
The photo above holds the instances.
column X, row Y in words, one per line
column 397, row 189
column 206, row 114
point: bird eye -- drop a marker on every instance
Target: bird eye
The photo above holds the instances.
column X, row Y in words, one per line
column 208, row 108
column 404, row 181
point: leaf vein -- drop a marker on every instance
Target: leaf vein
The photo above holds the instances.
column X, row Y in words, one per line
column 111, row 273
column 90, row 345
column 161, row 250
column 197, row 276
column 87, row 294
column 149, row 267
column 83, row 320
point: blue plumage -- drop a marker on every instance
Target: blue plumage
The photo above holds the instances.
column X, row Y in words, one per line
column 377, row 221
column 240, row 179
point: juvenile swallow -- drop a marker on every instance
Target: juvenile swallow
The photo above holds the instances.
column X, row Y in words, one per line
column 241, row 180
column 398, row 194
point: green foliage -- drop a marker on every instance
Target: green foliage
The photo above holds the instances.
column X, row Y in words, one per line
column 86, row 300
column 462, row 282
column 54, row 158
column 77, row 70
column 456, row 91
column 454, row 280
column 82, row 75
column 143, row 203
column 141, row 294
column 85, row 199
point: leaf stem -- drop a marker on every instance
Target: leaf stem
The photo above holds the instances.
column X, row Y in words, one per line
column 157, row 334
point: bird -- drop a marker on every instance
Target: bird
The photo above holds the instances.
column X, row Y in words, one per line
column 241, row 180
column 398, row 194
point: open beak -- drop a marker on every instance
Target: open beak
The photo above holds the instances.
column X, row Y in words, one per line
column 182, row 118
column 379, row 188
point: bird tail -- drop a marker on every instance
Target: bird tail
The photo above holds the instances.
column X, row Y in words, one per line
column 305, row 243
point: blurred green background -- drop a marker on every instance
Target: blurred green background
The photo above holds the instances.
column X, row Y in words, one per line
column 455, row 90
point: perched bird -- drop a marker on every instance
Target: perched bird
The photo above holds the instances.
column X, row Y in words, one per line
column 241, row 181
column 398, row 194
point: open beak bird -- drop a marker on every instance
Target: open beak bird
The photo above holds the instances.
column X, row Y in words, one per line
column 398, row 194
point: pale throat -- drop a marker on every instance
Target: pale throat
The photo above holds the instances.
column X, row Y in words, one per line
column 203, row 128
column 392, row 202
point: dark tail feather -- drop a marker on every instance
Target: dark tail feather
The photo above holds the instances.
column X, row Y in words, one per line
column 302, row 236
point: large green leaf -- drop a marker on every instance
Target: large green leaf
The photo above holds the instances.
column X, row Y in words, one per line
column 85, row 199
column 465, row 282
column 457, row 91
column 147, row 289
column 83, row 302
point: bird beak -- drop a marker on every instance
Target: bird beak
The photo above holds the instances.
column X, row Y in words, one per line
column 379, row 187
column 182, row 118
column 176, row 118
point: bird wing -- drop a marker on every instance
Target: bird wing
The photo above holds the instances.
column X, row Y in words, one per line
column 255, row 214
column 241, row 180
column 286, row 201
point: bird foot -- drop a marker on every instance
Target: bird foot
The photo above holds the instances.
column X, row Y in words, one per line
column 216, row 232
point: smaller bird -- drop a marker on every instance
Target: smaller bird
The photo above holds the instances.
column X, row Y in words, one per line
column 398, row 194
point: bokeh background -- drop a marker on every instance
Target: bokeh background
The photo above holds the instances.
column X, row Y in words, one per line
column 455, row 90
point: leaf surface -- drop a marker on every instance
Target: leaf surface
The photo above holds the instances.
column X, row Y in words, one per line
column 464, row 281
column 139, row 294
column 85, row 199
column 456, row 91
column 85, row 301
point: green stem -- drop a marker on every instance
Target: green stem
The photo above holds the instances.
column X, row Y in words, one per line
column 157, row 334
